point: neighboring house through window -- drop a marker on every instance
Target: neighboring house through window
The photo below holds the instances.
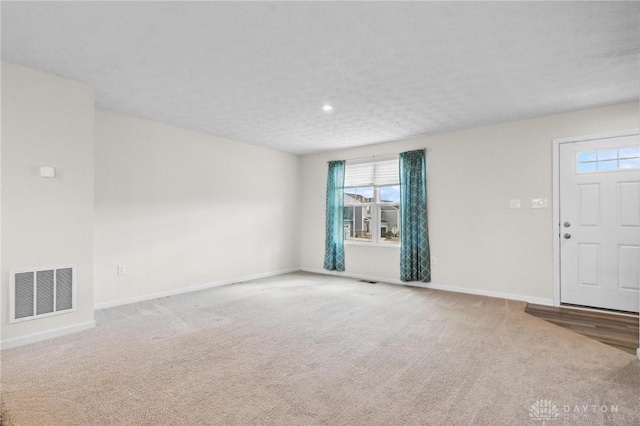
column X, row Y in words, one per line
column 372, row 202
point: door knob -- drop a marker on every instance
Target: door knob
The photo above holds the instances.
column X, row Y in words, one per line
column 566, row 224
column 567, row 236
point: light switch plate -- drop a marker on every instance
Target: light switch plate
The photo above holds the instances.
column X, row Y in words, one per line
column 514, row 204
column 538, row 203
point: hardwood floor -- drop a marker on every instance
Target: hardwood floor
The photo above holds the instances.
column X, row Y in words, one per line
column 619, row 331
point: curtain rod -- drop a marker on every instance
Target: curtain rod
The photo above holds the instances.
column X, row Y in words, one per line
column 374, row 156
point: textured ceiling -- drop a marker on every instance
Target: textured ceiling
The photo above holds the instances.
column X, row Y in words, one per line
column 260, row 72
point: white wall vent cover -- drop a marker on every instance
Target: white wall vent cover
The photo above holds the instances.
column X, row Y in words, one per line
column 36, row 294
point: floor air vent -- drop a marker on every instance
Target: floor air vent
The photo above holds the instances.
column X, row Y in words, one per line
column 41, row 293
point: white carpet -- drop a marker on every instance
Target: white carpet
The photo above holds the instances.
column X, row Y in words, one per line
column 305, row 349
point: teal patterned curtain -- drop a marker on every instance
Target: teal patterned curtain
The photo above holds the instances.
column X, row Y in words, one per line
column 334, row 236
column 415, row 261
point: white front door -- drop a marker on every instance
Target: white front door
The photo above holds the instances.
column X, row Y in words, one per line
column 599, row 229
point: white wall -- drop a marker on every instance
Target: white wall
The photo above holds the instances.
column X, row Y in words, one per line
column 478, row 242
column 46, row 121
column 181, row 209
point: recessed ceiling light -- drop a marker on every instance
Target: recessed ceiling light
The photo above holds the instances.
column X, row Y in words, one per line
column 327, row 108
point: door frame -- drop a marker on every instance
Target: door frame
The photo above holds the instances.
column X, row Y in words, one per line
column 555, row 228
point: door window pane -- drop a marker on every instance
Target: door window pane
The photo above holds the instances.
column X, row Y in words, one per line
column 607, row 154
column 584, row 157
column 630, row 152
column 607, row 165
column 630, row 163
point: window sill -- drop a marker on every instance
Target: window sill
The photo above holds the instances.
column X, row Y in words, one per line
column 366, row 244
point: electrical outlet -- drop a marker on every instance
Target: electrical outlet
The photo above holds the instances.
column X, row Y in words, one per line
column 433, row 260
column 122, row 269
column 514, row 204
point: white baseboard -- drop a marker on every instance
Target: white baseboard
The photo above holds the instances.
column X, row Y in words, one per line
column 480, row 292
column 351, row 275
column 45, row 335
column 173, row 292
column 488, row 293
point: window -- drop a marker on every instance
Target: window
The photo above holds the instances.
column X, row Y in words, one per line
column 609, row 159
column 372, row 202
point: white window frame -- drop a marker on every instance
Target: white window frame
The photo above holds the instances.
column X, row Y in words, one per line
column 376, row 208
column 376, row 173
